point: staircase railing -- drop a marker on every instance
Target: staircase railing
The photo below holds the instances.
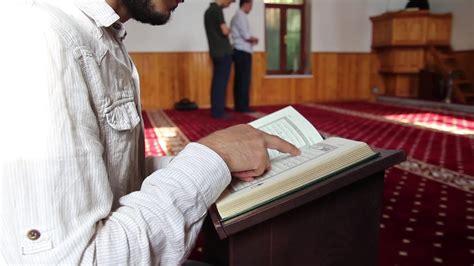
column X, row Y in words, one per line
column 445, row 65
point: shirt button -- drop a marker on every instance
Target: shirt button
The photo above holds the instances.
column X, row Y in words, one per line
column 33, row 234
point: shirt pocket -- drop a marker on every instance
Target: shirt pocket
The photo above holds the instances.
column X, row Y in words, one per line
column 35, row 241
column 122, row 130
column 122, row 114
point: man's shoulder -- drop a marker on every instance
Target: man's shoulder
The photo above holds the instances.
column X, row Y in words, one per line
column 63, row 20
column 209, row 12
column 213, row 13
column 234, row 18
column 215, row 9
column 238, row 15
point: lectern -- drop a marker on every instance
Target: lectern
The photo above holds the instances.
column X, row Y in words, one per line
column 333, row 222
column 401, row 40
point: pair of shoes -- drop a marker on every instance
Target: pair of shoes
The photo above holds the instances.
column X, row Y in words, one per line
column 246, row 110
column 224, row 116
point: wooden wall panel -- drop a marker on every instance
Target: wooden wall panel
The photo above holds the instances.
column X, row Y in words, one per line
column 376, row 80
column 168, row 77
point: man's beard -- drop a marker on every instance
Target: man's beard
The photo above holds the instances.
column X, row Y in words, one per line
column 142, row 10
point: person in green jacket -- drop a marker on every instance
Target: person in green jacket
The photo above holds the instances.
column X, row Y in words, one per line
column 220, row 50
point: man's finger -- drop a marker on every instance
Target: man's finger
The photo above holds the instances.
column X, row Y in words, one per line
column 246, row 176
column 279, row 144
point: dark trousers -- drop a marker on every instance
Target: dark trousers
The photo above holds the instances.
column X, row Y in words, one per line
column 243, row 76
column 220, row 77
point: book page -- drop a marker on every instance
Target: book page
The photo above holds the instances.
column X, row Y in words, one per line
column 289, row 125
column 286, row 163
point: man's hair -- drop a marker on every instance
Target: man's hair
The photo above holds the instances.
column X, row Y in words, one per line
column 242, row 2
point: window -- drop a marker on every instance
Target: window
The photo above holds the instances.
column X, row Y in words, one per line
column 286, row 45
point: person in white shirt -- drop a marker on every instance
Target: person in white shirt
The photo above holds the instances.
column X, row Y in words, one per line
column 72, row 184
column 242, row 56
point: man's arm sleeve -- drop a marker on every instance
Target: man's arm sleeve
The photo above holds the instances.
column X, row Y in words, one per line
column 162, row 220
column 220, row 20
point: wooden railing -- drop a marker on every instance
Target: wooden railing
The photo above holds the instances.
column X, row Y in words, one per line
column 442, row 61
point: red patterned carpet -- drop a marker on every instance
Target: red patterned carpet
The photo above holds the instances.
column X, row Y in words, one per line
column 428, row 216
column 152, row 145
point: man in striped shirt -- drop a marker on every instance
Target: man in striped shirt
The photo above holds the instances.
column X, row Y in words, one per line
column 72, row 183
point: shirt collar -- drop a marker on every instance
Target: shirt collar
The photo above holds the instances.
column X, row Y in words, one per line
column 99, row 11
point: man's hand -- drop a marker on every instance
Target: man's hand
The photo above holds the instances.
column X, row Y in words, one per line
column 253, row 40
column 225, row 29
column 244, row 149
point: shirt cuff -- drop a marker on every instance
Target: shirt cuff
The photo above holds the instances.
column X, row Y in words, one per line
column 246, row 36
column 207, row 169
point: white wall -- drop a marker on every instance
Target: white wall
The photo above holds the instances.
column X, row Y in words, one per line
column 337, row 25
column 340, row 26
column 185, row 31
column 463, row 21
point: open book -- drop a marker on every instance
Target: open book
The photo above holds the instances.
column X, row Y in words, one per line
column 319, row 159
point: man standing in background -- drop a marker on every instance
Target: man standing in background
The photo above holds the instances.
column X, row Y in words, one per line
column 243, row 43
column 217, row 33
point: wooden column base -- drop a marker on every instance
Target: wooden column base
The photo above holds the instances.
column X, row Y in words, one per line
column 402, row 85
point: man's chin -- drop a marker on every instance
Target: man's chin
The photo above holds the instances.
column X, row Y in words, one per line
column 143, row 11
column 154, row 19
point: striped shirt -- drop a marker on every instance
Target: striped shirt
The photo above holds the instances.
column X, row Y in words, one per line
column 72, row 185
column 240, row 29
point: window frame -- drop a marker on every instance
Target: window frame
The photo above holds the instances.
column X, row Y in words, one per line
column 283, row 32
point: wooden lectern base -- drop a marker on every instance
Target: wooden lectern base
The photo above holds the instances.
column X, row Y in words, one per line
column 334, row 222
